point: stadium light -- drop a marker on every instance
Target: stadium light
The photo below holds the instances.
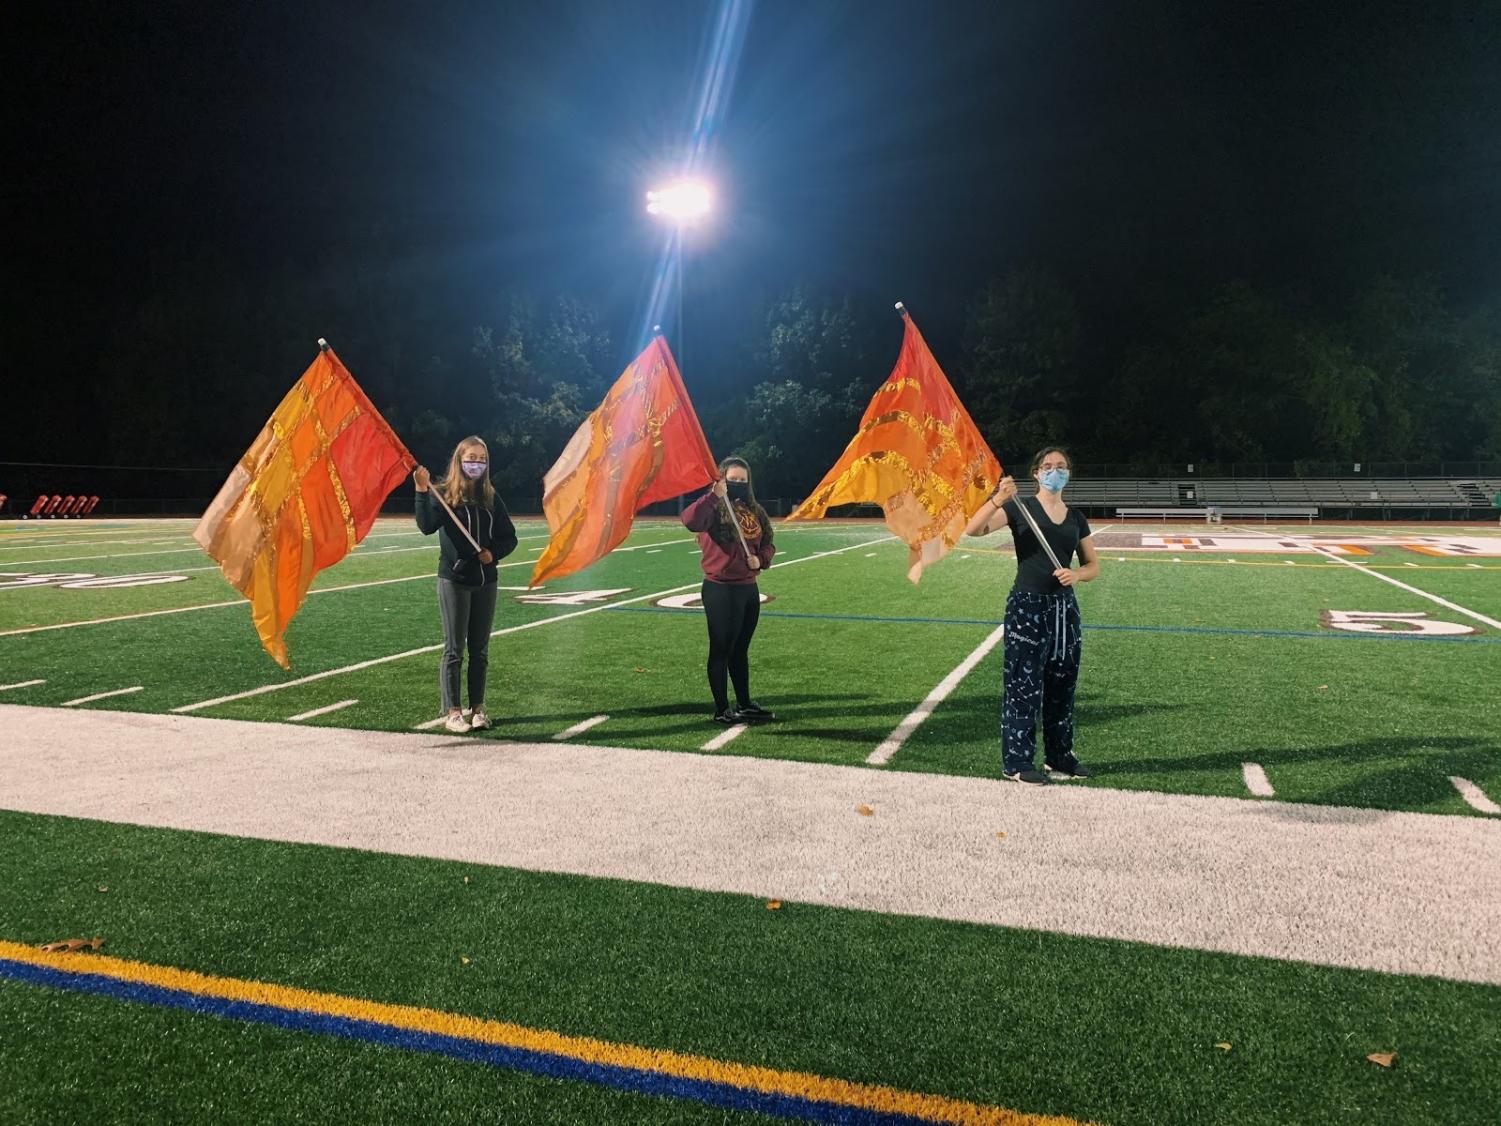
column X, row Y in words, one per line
column 682, row 202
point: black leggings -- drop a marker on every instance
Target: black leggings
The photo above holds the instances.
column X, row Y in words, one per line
column 732, row 610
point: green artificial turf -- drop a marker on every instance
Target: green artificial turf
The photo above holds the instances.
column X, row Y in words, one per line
column 1190, row 669
column 1111, row 1031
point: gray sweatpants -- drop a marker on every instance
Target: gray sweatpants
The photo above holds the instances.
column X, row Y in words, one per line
column 468, row 612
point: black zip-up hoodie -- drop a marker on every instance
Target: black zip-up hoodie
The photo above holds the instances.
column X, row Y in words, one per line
column 457, row 559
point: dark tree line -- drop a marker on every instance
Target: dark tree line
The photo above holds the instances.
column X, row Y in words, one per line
column 1231, row 375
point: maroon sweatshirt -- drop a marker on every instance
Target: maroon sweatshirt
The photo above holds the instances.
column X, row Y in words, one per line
column 728, row 564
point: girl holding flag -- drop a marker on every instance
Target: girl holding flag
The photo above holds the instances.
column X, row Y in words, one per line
column 1043, row 633
column 734, row 538
column 475, row 531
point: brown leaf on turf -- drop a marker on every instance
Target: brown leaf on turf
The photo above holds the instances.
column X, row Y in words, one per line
column 103, row 888
column 864, row 810
column 773, row 904
column 1222, row 1046
column 1000, row 834
column 639, row 668
column 1382, row 1059
column 68, row 945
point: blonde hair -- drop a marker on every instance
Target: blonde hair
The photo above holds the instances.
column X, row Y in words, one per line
column 458, row 489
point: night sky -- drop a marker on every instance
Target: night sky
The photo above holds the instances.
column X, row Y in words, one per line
column 897, row 150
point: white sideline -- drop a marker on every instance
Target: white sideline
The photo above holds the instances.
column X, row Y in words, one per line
column 579, row 728
column 1305, row 883
column 20, row 684
column 915, row 719
column 321, row 711
column 1474, row 796
column 358, row 665
column 1256, row 780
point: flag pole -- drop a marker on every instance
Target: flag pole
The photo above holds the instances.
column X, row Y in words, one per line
column 1036, row 531
column 724, row 502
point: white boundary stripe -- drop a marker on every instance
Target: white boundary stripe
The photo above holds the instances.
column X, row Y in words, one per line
column 358, row 665
column 428, row 725
column 724, row 737
column 321, row 711
column 208, row 606
column 1474, row 796
column 245, row 602
column 20, row 684
column 101, row 696
column 199, row 550
column 1256, row 780
column 919, row 714
column 579, row 728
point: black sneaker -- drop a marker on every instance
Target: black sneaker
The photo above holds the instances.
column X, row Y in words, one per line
column 1067, row 769
column 1033, row 776
column 727, row 717
column 754, row 712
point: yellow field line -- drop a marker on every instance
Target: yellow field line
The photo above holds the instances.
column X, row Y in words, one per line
column 766, row 1080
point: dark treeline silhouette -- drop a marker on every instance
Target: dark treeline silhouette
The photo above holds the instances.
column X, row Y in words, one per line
column 1229, row 374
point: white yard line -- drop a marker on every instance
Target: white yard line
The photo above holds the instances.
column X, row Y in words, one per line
column 321, row 711
column 358, row 665
column 579, row 728
column 428, row 725
column 101, row 696
column 1456, row 607
column 1474, row 796
column 919, row 714
column 245, row 602
column 724, row 737
column 212, row 605
column 1256, row 780
column 20, row 684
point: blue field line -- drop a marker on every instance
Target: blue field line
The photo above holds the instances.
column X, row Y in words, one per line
column 1318, row 635
column 556, row 1066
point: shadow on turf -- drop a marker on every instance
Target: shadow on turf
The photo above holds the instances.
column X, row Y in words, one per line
column 1421, row 779
column 696, row 717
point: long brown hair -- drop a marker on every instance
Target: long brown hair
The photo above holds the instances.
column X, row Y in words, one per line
column 458, row 489
column 723, row 532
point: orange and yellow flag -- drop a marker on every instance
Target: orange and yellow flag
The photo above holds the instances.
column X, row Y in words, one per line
column 917, row 454
column 303, row 495
column 642, row 444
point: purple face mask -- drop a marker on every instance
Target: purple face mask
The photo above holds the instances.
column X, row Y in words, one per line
column 474, row 470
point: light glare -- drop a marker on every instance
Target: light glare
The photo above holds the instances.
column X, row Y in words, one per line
column 682, row 202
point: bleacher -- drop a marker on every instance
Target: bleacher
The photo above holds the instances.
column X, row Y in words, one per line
column 1237, row 497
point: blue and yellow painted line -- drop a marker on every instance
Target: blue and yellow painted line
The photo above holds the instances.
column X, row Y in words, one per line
column 628, row 1067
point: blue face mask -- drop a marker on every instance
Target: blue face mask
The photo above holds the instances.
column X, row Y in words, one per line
column 1053, row 480
column 474, row 470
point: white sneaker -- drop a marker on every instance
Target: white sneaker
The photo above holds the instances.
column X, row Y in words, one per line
column 457, row 724
column 480, row 720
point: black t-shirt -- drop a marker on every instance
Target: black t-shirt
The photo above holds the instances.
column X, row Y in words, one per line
column 1034, row 570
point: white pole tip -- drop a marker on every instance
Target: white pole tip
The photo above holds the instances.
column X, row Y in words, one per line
column 322, row 343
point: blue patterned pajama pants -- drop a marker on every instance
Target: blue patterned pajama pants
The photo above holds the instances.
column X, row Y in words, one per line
column 1044, row 641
